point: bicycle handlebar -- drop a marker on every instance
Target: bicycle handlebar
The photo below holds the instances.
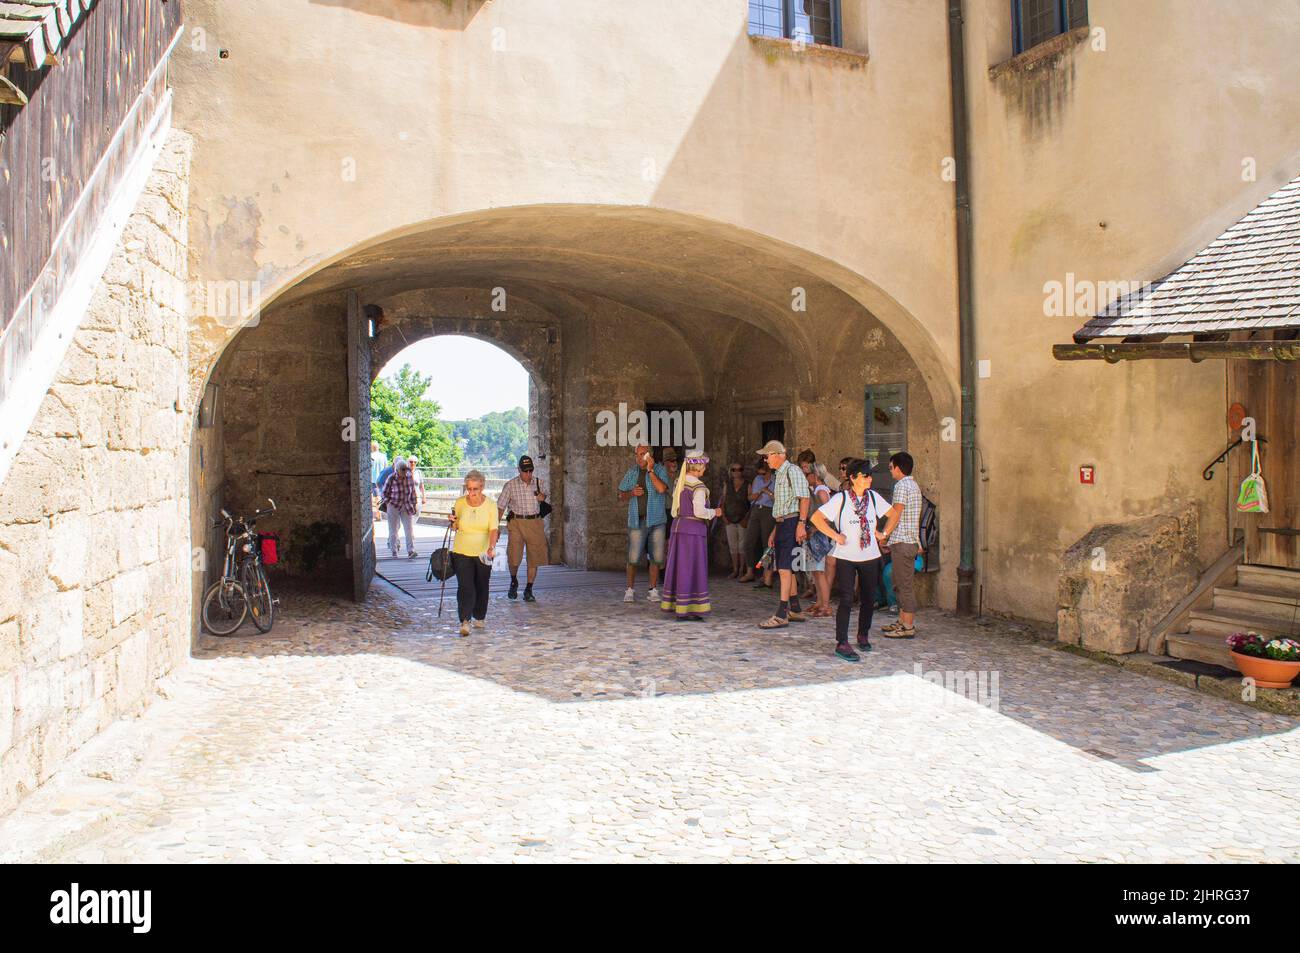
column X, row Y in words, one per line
column 228, row 520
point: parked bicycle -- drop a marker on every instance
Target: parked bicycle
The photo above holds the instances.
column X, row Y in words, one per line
column 242, row 589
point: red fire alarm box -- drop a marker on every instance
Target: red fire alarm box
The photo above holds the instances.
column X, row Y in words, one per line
column 1088, row 474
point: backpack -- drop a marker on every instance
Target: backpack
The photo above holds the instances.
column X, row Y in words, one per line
column 819, row 544
column 928, row 532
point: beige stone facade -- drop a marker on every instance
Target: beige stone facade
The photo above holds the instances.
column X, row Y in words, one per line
column 95, row 555
column 677, row 216
column 699, row 176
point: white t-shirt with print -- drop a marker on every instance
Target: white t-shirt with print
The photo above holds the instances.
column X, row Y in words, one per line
column 851, row 526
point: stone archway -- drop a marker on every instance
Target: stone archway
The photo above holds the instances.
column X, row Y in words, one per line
column 406, row 320
column 610, row 306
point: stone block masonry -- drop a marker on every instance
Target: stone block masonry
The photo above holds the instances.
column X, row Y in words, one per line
column 94, row 515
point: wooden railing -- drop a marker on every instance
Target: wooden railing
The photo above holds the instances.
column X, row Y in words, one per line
column 65, row 150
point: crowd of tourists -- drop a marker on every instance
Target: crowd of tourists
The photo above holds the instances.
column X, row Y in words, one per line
column 833, row 530
column 790, row 527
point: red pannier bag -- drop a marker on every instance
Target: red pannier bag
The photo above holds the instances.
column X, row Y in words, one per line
column 270, row 548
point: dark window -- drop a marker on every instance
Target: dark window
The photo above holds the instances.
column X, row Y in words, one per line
column 1036, row 21
column 813, row 21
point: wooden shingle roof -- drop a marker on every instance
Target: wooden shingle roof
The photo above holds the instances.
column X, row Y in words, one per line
column 1248, row 279
column 33, row 31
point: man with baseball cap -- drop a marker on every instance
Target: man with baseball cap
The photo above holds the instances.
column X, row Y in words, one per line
column 790, row 501
column 521, row 500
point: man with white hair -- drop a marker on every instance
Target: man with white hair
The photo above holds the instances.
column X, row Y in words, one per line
column 400, row 495
column 791, row 499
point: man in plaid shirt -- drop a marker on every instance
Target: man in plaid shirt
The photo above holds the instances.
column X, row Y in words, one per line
column 401, row 496
column 903, row 533
column 521, row 500
column 791, row 499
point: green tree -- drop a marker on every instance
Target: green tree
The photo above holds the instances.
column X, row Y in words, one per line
column 497, row 439
column 403, row 421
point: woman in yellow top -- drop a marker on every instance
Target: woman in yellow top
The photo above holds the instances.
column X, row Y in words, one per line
column 475, row 519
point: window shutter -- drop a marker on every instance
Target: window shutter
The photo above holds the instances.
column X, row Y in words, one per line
column 1077, row 12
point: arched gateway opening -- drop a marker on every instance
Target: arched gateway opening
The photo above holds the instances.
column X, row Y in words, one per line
column 611, row 310
column 448, row 403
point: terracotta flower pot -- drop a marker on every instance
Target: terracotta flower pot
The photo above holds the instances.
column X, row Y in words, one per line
column 1267, row 672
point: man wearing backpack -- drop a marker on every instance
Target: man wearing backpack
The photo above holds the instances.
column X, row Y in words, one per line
column 903, row 534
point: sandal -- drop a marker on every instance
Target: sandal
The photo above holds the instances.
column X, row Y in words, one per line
column 776, row 622
column 899, row 633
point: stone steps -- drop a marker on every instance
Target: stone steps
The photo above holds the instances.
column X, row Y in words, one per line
column 1264, row 600
column 1274, row 604
column 1200, row 647
column 1266, row 577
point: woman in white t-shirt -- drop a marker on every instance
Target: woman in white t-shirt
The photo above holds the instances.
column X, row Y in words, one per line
column 849, row 518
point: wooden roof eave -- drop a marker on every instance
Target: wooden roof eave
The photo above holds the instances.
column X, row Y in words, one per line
column 36, row 42
column 1194, row 351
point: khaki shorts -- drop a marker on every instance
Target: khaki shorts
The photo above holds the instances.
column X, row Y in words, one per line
column 904, row 559
column 526, row 534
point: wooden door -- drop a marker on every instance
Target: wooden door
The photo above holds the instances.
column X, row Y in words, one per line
column 1270, row 392
column 362, row 548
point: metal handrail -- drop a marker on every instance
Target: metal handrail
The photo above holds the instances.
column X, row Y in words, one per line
column 1208, row 472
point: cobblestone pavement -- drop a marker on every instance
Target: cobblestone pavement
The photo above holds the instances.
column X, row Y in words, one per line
column 579, row 728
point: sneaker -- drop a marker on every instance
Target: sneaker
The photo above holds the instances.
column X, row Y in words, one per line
column 864, row 646
column 514, row 589
column 652, row 595
column 528, row 594
column 480, row 623
column 629, row 596
column 845, row 651
column 464, row 630
column 412, row 555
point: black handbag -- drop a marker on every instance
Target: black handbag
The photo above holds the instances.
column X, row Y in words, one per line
column 440, row 567
column 544, row 508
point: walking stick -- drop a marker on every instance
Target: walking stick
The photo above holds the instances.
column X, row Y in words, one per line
column 442, row 592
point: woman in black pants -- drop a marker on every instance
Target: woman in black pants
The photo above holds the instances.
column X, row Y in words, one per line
column 477, row 523
column 849, row 518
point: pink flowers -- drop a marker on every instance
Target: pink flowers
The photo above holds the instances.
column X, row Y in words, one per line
column 1254, row 644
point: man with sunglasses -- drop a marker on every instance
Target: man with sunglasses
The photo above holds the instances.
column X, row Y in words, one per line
column 521, row 500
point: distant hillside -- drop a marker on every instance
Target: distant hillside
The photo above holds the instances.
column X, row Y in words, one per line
column 497, row 439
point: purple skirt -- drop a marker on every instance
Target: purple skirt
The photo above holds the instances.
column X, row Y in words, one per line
column 685, row 589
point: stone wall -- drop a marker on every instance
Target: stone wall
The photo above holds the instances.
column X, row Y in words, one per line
column 1121, row 579
column 94, row 549
column 283, row 400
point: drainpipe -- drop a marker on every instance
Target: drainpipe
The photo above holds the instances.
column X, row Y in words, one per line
column 965, row 307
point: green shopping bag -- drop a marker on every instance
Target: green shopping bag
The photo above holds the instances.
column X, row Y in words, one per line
column 1253, row 495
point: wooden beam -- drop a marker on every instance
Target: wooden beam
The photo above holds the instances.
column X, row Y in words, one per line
column 1192, row 351
column 11, row 94
column 1176, row 620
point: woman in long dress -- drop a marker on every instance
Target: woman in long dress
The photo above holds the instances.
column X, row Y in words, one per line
column 685, row 590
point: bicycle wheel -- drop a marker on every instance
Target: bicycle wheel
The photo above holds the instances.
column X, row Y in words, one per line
column 224, row 607
column 260, row 604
